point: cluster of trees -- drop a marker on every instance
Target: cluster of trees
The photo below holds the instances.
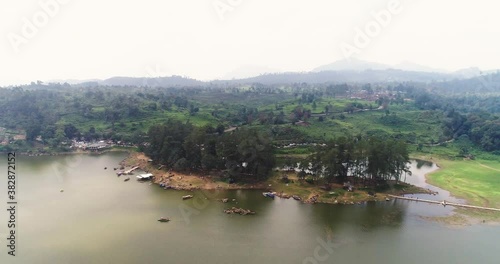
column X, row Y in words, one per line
column 481, row 128
column 300, row 113
column 183, row 147
column 270, row 118
column 244, row 115
column 124, row 113
column 368, row 159
column 337, row 90
column 20, row 108
column 307, row 98
column 467, row 117
column 60, row 113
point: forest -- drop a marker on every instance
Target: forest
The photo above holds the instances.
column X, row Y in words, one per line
column 367, row 160
column 244, row 152
column 242, row 129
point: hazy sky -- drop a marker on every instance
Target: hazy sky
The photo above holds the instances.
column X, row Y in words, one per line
column 84, row 39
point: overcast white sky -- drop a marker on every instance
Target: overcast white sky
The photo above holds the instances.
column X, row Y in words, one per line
column 88, row 39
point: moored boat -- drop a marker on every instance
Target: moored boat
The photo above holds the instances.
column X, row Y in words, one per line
column 163, row 219
column 144, row 177
column 269, row 194
column 185, row 197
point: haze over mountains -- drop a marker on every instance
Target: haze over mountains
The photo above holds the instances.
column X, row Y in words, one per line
column 352, row 70
column 354, row 64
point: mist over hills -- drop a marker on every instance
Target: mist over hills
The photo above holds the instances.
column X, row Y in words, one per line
column 349, row 76
column 155, row 82
column 354, row 64
column 346, row 76
column 351, row 65
column 343, row 71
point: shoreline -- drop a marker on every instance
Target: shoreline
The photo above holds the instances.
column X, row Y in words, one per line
column 75, row 152
column 183, row 181
column 169, row 179
column 310, row 194
column 460, row 216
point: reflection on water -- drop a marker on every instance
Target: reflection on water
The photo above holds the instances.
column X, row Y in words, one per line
column 366, row 217
column 420, row 163
column 99, row 218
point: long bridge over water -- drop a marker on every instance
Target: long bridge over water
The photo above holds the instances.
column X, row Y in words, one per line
column 444, row 203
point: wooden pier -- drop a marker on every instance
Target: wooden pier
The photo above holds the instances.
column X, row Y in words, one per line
column 444, row 203
column 131, row 170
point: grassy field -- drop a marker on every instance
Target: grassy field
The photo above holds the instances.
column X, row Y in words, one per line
column 478, row 181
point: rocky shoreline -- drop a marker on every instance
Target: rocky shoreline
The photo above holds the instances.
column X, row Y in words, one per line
column 171, row 180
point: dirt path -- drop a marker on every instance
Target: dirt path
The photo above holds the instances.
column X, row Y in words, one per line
column 488, row 167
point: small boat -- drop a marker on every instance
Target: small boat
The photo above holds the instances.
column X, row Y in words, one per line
column 297, row 198
column 144, row 177
column 163, row 219
column 185, row 197
column 127, row 179
column 269, row 194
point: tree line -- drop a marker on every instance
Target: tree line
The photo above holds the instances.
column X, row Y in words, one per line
column 367, row 159
column 473, row 118
column 481, row 128
column 243, row 153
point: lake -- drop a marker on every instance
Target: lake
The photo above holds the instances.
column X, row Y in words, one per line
column 99, row 218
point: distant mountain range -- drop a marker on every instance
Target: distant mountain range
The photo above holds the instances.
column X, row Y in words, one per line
column 158, row 81
column 352, row 70
column 389, row 75
column 248, row 71
column 360, row 65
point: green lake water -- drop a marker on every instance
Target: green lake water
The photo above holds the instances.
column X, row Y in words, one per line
column 99, row 218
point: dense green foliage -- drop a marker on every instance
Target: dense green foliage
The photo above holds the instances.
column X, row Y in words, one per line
column 186, row 148
column 183, row 127
column 471, row 118
column 367, row 159
column 475, row 180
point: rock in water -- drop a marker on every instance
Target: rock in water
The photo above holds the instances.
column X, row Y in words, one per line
column 239, row 211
